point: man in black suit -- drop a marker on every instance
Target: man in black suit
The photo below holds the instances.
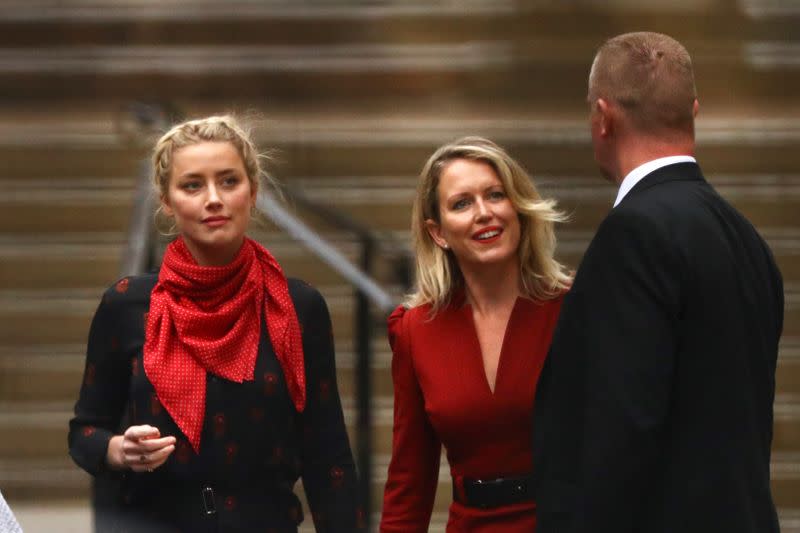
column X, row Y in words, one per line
column 654, row 410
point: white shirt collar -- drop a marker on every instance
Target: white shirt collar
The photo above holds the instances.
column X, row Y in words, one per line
column 637, row 174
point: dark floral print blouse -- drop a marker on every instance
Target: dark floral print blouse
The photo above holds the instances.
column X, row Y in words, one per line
column 254, row 445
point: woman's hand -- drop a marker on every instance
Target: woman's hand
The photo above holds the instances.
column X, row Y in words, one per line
column 141, row 449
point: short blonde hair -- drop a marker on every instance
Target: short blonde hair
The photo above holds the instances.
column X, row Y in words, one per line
column 438, row 274
column 222, row 128
column 650, row 76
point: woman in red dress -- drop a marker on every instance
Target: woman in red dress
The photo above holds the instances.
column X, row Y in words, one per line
column 470, row 342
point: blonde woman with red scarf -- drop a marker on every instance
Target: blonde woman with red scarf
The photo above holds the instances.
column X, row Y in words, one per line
column 219, row 369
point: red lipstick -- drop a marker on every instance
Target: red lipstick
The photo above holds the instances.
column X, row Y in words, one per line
column 488, row 234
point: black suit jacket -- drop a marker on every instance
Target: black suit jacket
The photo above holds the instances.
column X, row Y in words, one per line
column 654, row 410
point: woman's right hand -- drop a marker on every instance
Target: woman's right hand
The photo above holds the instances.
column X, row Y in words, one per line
column 140, row 448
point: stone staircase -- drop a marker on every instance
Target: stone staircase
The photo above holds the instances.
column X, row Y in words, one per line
column 355, row 95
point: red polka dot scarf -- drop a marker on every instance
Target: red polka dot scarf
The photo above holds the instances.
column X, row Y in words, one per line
column 208, row 319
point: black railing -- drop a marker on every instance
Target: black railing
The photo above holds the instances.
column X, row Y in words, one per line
column 369, row 243
column 367, row 292
column 135, row 124
column 137, row 255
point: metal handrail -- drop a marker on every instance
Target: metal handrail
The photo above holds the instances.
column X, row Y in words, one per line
column 367, row 236
column 370, row 241
column 137, row 255
column 299, row 230
column 366, row 290
column 136, row 123
column 137, row 258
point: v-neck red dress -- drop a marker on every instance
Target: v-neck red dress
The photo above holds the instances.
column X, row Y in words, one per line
column 442, row 397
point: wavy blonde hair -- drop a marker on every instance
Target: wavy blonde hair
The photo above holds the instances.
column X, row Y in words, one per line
column 438, row 274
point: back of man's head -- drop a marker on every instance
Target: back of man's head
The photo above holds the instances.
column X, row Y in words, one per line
column 650, row 76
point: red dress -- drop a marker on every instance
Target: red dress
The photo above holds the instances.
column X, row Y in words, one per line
column 442, row 397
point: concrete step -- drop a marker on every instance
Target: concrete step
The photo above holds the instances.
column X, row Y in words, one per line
column 387, row 18
column 65, row 516
column 92, row 260
column 274, row 71
column 44, row 259
column 791, row 318
column 789, row 519
column 38, row 430
column 378, row 202
column 75, row 517
column 375, row 140
column 769, row 201
column 53, row 373
column 88, row 141
column 787, row 376
column 66, row 209
column 786, row 426
column 41, row 374
column 46, row 424
column 406, row 61
column 48, row 496
column 49, row 260
column 59, row 479
column 51, row 316
column 57, row 260
column 62, row 316
column 44, row 479
column 785, row 475
column 72, row 516
column 43, row 471
column 176, row 15
column 546, row 143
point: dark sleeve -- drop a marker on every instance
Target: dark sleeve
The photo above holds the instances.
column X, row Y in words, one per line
column 611, row 370
column 103, row 391
column 780, row 303
column 414, row 468
column 329, row 472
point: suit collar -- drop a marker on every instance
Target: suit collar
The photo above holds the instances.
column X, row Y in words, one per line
column 637, row 174
column 676, row 171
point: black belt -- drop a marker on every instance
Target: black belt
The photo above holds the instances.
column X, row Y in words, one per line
column 201, row 498
column 488, row 493
column 197, row 506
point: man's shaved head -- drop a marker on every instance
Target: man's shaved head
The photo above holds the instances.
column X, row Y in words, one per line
column 650, row 76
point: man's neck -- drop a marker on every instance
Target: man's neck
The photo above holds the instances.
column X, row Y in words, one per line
column 642, row 150
column 642, row 171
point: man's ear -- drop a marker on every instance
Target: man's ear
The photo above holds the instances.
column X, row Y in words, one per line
column 435, row 231
column 605, row 117
column 695, row 108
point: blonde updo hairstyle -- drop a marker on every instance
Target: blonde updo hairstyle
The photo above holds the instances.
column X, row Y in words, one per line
column 438, row 274
column 222, row 128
